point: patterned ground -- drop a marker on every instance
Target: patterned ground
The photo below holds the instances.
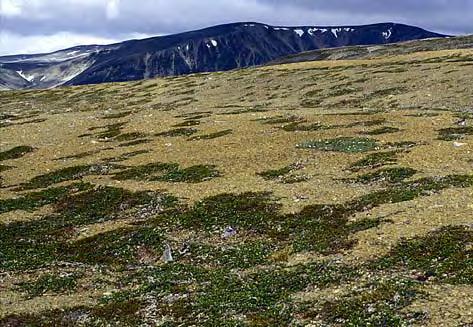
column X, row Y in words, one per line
column 313, row 194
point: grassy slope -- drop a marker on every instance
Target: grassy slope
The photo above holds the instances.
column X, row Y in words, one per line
column 337, row 177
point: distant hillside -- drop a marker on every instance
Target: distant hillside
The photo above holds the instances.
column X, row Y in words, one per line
column 367, row 52
column 217, row 48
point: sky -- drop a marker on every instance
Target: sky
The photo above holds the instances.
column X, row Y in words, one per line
column 35, row 26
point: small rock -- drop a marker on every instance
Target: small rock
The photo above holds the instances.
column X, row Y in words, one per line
column 229, row 232
column 167, row 254
column 185, row 248
column 458, row 144
column 300, row 197
column 462, row 122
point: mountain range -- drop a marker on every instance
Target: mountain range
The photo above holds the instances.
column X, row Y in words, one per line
column 218, row 48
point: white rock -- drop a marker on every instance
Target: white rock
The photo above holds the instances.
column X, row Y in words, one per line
column 458, row 144
column 229, row 232
column 167, row 254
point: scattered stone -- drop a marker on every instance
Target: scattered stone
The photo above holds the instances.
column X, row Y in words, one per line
column 458, row 144
column 300, row 197
column 167, row 254
column 185, row 248
column 229, row 232
column 462, row 122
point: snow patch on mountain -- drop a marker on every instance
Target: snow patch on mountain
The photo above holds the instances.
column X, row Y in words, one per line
column 335, row 31
column 29, row 78
column 299, row 32
column 388, row 33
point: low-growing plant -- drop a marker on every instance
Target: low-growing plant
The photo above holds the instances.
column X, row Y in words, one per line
column 386, row 175
column 16, row 152
column 383, row 130
column 342, row 144
column 66, row 174
column 49, row 283
column 178, row 132
column 444, row 254
column 211, row 135
column 375, row 160
column 168, row 172
column 455, row 133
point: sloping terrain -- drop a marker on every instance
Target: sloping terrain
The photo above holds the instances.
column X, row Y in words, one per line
column 217, row 48
column 330, row 193
column 370, row 52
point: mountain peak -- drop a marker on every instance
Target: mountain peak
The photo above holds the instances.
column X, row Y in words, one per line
column 216, row 48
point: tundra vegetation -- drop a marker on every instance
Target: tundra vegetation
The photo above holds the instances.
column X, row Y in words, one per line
column 311, row 194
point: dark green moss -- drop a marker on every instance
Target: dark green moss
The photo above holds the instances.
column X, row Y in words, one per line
column 65, row 174
column 117, row 115
column 294, row 178
column 248, row 210
column 32, row 201
column 246, row 110
column 243, row 255
column 125, row 156
column 15, row 153
column 38, row 243
column 188, row 123
column 216, row 297
column 111, row 131
column 385, row 92
column 408, row 191
column 339, row 91
column 118, row 247
column 298, row 127
column 311, row 103
column 130, row 136
column 424, row 114
column 312, row 93
column 277, row 173
column 195, row 115
column 78, row 156
column 133, row 143
column 49, row 283
column 387, row 175
column 455, row 133
column 193, row 174
column 211, row 135
column 106, row 203
column 116, row 314
column 145, row 172
column 444, row 254
column 342, row 144
column 383, row 130
column 168, row 172
column 279, row 120
column 375, row 160
column 401, row 144
column 178, row 132
column 380, row 303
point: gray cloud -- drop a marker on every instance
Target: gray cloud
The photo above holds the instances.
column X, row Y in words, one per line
column 110, row 20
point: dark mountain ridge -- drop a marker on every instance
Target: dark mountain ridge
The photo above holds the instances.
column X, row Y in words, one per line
column 217, row 48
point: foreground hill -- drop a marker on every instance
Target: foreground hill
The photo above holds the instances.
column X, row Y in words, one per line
column 331, row 193
column 217, row 48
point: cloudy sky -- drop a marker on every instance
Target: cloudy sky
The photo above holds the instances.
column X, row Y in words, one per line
column 29, row 26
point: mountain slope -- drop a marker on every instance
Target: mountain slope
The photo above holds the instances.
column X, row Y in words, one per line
column 370, row 51
column 217, row 48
